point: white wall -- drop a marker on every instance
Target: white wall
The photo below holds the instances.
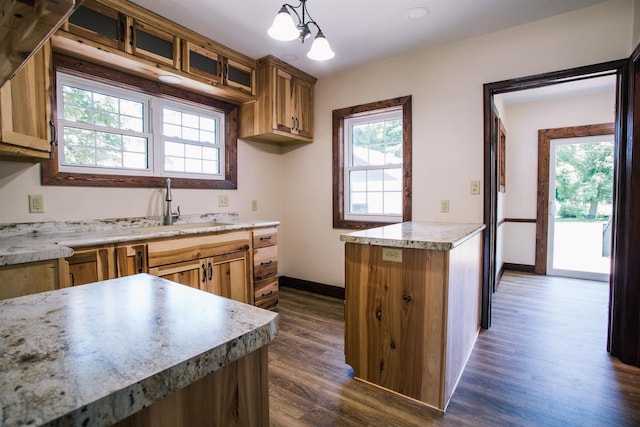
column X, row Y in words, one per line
column 524, row 121
column 446, row 85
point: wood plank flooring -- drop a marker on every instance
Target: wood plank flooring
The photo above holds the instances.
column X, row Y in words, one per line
column 543, row 363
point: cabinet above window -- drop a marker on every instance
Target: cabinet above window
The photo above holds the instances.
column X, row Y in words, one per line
column 123, row 36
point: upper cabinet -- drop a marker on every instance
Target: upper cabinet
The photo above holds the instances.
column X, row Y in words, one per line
column 283, row 110
column 121, row 35
column 24, row 26
column 25, row 109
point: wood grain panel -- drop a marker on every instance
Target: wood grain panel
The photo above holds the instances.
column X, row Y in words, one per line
column 463, row 310
column 170, row 251
column 234, row 395
column 26, row 279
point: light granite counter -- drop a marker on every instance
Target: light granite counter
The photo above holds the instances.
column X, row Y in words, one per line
column 94, row 354
column 30, row 242
column 440, row 236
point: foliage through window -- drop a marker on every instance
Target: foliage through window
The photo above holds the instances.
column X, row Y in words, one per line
column 115, row 130
column 372, row 177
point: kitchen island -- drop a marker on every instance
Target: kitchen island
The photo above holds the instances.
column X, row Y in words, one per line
column 138, row 350
column 412, row 306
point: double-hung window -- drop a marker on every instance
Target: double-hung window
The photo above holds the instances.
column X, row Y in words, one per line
column 372, row 177
column 105, row 131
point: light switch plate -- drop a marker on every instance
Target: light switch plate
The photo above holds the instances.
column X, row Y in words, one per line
column 223, row 201
column 444, row 206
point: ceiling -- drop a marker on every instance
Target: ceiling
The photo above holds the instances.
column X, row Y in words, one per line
column 359, row 31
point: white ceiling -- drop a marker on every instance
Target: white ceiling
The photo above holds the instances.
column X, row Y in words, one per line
column 359, row 31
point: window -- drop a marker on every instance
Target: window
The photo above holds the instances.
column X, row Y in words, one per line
column 114, row 129
column 372, row 175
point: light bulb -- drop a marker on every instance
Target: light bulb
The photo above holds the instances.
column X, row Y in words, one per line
column 320, row 49
column 283, row 28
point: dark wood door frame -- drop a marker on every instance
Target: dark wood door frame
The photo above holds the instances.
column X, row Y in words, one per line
column 620, row 68
column 544, row 150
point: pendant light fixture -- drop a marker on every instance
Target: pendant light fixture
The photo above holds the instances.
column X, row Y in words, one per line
column 285, row 29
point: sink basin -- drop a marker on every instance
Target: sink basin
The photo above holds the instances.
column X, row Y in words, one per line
column 182, row 226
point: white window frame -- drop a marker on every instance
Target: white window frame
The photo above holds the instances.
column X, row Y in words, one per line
column 153, row 106
column 395, row 113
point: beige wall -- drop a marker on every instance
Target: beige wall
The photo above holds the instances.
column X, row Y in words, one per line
column 259, row 178
column 446, row 85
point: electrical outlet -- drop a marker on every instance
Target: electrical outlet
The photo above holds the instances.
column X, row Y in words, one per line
column 36, row 203
column 444, row 206
column 392, row 254
column 254, row 205
column 475, row 187
column 223, row 201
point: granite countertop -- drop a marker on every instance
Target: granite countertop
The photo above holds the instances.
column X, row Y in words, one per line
column 30, row 242
column 440, row 236
column 95, row 354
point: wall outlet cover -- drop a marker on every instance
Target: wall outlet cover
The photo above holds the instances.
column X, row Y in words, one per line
column 223, row 201
column 36, row 203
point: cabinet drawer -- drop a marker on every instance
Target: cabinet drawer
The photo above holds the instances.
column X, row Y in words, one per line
column 266, row 293
column 163, row 252
column 265, row 237
column 265, row 262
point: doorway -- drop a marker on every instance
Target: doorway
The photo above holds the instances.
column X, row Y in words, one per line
column 616, row 68
column 580, row 207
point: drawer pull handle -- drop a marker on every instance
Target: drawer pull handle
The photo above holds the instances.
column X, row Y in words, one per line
column 406, row 297
column 204, row 273
column 210, row 271
column 73, row 279
column 140, row 262
column 265, row 238
column 266, row 294
column 267, row 263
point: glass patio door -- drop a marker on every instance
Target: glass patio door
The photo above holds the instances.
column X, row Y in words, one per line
column 580, row 207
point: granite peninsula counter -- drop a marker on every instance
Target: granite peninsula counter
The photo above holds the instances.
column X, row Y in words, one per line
column 99, row 353
column 412, row 306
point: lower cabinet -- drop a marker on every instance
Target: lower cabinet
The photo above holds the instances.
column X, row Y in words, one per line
column 224, row 275
column 214, row 263
column 90, row 265
column 30, row 278
column 265, row 268
column 131, row 259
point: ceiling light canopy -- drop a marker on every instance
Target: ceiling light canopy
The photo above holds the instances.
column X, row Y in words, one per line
column 285, row 29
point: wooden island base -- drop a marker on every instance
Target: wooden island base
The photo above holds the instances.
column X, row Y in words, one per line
column 412, row 314
column 235, row 395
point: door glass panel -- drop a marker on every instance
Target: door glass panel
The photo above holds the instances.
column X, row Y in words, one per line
column 240, row 76
column 580, row 184
column 203, row 63
column 94, row 21
column 154, row 44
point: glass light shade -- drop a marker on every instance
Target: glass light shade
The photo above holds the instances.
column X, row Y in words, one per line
column 320, row 49
column 283, row 27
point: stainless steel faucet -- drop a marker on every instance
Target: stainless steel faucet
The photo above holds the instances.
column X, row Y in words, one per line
column 169, row 216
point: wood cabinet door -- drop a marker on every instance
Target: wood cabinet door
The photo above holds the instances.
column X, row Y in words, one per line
column 201, row 62
column 303, row 107
column 88, row 266
column 190, row 273
column 131, row 259
column 154, row 44
column 95, row 21
column 227, row 276
column 283, row 115
column 25, row 108
column 239, row 76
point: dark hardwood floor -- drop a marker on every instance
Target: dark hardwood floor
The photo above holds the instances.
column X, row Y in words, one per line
column 543, row 363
